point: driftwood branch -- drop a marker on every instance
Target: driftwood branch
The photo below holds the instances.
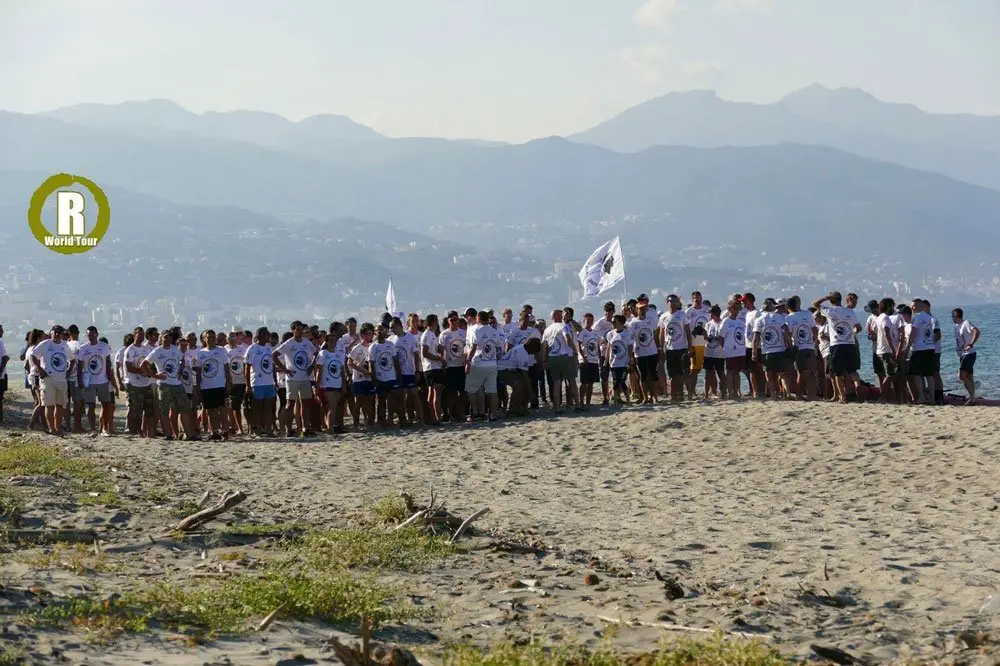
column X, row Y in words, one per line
column 678, row 627
column 412, row 519
column 228, row 501
column 468, row 521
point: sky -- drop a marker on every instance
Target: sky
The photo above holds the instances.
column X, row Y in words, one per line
column 508, row 70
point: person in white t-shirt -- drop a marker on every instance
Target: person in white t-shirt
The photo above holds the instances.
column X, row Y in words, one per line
column 602, row 327
column 674, row 337
column 483, row 347
column 696, row 317
column 331, row 372
column 842, row 329
column 258, row 374
column 921, row 365
column 432, row 362
column 383, row 364
column 296, row 357
column 51, row 360
column 212, row 381
column 525, row 331
column 408, row 354
column 559, row 353
column 452, row 342
column 237, row 365
column 620, row 354
column 802, row 328
column 646, row 343
column 734, row 349
column 966, row 337
column 138, row 385
column 589, row 343
column 95, row 379
column 770, row 343
column 72, row 340
column 168, row 362
column 715, row 354
column 938, row 382
column 362, row 381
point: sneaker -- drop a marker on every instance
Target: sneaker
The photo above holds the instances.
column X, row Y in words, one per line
column 168, row 438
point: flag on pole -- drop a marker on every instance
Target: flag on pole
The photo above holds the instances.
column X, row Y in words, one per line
column 390, row 299
column 604, row 269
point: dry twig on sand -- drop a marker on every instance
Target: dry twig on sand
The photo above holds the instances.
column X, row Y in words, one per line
column 195, row 520
column 468, row 521
column 678, row 627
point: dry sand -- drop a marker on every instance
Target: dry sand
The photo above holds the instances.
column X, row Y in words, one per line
column 870, row 528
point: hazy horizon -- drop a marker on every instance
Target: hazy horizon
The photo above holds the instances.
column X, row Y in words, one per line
column 478, row 71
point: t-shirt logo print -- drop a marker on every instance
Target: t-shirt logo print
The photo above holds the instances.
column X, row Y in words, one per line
column 674, row 331
column 265, row 365
column 802, row 334
column 170, row 368
column 739, row 336
column 556, row 345
column 455, row 348
column 769, row 336
column 333, row 369
column 592, row 347
column 644, row 337
column 95, row 365
column 384, row 360
column 210, row 368
column 58, row 362
column 618, row 348
column 300, row 360
column 929, row 334
column 236, row 365
column 842, row 330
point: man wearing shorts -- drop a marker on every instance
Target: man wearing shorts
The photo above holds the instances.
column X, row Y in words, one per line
column 51, row 359
column 920, row 346
column 696, row 317
column 732, row 331
column 95, row 377
column 770, row 344
column 452, row 341
column 647, row 352
column 842, row 327
column 803, row 331
column 559, row 354
column 674, row 337
column 602, row 328
column 483, row 345
column 966, row 337
column 296, row 357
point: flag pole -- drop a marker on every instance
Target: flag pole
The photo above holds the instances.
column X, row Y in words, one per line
column 624, row 273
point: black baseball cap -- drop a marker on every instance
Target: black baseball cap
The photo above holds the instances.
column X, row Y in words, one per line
column 642, row 297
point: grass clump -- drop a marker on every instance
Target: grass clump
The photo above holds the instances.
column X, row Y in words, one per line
column 716, row 651
column 11, row 505
column 252, row 529
column 11, row 655
column 228, row 607
column 77, row 558
column 390, row 510
column 404, row 549
column 28, row 458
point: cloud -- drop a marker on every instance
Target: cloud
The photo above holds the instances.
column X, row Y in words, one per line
column 651, row 61
column 657, row 14
column 754, row 6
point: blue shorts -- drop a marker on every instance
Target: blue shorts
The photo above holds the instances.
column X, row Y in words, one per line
column 363, row 388
column 408, row 382
column 384, row 388
column 264, row 391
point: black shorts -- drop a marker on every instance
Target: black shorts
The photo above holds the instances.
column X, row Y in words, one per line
column 890, row 365
column 776, row 362
column 620, row 378
column 922, row 363
column 716, row 365
column 454, row 379
column 3, row 385
column 434, row 377
column 804, row 360
column 590, row 373
column 214, row 398
column 752, row 365
column 677, row 363
column 647, row 365
column 605, row 371
column 967, row 363
column 237, row 394
column 844, row 360
column 937, row 362
column 878, row 366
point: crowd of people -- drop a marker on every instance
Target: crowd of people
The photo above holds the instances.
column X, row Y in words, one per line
column 422, row 371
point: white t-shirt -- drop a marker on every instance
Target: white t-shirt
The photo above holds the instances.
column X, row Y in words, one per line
column 714, row 347
column 359, row 356
column 406, row 346
column 506, row 328
column 733, row 333
column 923, row 330
column 643, row 336
column 168, row 362
column 602, row 327
column 841, row 325
column 555, row 335
column 297, row 356
column 345, row 341
column 672, row 324
column 213, row 363
column 260, row 358
column 74, row 348
column 963, row 338
column 883, row 339
column 453, row 343
column 429, row 339
column 771, row 326
column 135, row 354
column 120, row 360
column 517, row 358
column 590, row 341
column 618, row 345
column 187, row 372
column 749, row 321
column 519, row 336
column 488, row 345
column 94, row 359
column 697, row 316
column 331, row 364
column 382, row 356
column 54, row 357
column 937, row 341
column 237, row 362
column 801, row 324
column 824, row 343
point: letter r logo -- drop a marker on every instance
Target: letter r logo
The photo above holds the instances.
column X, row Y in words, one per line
column 69, row 214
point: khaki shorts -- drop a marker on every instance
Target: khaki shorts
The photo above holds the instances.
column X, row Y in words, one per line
column 55, row 392
column 173, row 395
column 98, row 393
column 299, row 389
column 562, row 368
column 481, row 377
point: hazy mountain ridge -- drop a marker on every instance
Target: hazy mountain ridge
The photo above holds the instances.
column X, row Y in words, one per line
column 814, row 200
column 962, row 146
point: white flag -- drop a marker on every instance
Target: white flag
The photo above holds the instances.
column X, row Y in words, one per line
column 390, row 298
column 604, row 269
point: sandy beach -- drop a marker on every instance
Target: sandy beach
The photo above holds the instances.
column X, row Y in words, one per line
column 872, row 529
